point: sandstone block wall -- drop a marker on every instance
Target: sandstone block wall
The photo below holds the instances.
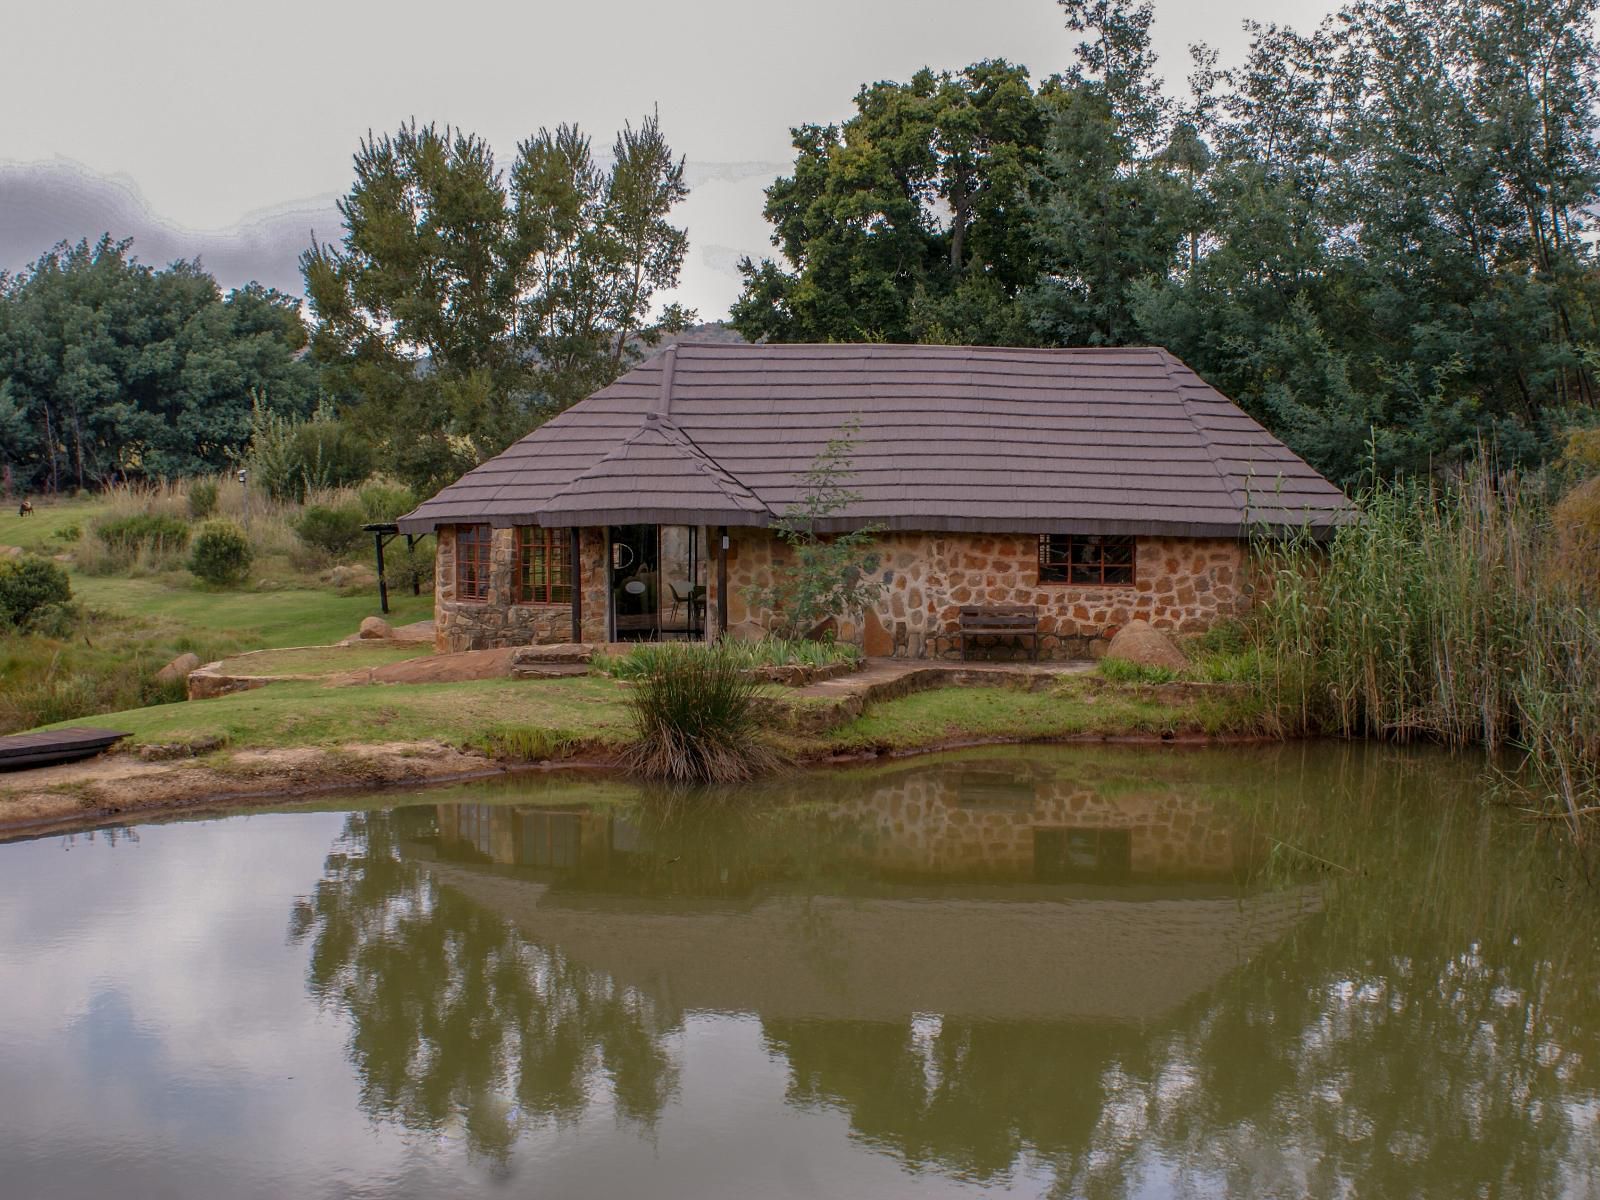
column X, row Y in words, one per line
column 496, row 621
column 1181, row 585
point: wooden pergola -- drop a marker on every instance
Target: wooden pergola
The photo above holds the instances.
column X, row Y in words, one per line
column 384, row 532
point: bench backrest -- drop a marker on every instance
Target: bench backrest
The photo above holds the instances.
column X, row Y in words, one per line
column 1020, row 616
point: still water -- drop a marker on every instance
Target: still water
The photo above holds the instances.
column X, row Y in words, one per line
column 1289, row 971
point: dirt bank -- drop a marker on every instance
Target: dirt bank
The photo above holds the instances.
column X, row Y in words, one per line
column 118, row 787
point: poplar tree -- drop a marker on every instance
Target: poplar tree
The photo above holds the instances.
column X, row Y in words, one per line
column 465, row 304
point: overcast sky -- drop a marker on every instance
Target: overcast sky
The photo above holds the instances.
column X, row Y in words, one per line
column 217, row 128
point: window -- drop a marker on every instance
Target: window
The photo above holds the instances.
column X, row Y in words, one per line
column 472, row 562
column 544, row 568
column 1079, row 558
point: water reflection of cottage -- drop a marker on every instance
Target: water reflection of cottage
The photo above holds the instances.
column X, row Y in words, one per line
column 976, row 891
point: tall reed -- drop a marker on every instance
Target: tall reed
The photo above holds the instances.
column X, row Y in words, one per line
column 1441, row 614
column 695, row 718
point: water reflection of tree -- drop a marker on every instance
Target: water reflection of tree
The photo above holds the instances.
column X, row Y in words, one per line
column 1436, row 1033
column 455, row 1017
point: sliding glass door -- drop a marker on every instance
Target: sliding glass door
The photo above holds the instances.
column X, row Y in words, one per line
column 658, row 586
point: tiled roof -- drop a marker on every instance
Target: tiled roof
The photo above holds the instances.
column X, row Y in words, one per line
column 950, row 438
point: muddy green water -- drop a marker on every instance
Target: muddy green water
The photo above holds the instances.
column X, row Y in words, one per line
column 1297, row 971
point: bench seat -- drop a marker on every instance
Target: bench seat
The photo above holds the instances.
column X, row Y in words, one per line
column 1018, row 621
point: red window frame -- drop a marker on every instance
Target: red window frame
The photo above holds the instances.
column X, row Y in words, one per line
column 473, row 558
column 1093, row 560
column 544, row 566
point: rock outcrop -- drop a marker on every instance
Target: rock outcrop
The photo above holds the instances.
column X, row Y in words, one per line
column 178, row 669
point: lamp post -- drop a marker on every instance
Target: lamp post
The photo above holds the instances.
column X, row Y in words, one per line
column 244, row 490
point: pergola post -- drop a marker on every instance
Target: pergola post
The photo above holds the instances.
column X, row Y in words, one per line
column 383, row 582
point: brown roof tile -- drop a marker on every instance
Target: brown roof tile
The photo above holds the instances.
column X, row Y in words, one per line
column 1125, row 440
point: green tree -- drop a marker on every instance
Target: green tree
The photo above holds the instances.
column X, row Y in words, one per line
column 112, row 370
column 465, row 304
column 908, row 221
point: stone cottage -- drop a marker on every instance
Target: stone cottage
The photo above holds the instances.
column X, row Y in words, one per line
column 1099, row 485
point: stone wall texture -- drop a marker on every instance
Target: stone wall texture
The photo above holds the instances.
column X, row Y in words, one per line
column 1181, row 585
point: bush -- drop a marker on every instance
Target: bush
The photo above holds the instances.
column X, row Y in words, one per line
column 126, row 536
column 334, row 531
column 202, row 498
column 383, row 502
column 33, row 591
column 68, row 533
column 222, row 553
column 695, row 718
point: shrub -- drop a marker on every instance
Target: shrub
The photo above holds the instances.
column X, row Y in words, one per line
column 126, row 536
column 334, row 531
column 32, row 591
column 202, row 498
column 222, row 553
column 68, row 533
column 381, row 502
column 695, row 719
column 289, row 457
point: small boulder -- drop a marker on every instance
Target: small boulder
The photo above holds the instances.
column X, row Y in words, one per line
column 747, row 631
column 178, row 669
column 373, row 628
column 1137, row 642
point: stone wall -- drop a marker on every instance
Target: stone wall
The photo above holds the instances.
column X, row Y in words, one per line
column 495, row 620
column 1182, row 585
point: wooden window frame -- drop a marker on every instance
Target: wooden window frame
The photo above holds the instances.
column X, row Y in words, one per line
column 1062, row 564
column 547, row 548
column 474, row 562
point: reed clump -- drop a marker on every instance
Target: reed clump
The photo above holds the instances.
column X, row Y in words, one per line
column 1449, row 612
column 695, row 717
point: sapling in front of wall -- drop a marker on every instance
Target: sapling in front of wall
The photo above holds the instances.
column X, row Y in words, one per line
column 828, row 576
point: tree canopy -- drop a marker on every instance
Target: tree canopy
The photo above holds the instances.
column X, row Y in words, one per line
column 1372, row 235
column 465, row 304
column 112, row 370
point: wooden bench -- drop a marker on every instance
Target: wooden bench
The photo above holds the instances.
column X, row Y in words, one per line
column 1000, row 620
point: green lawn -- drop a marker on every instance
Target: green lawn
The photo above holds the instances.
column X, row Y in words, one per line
column 248, row 620
column 311, row 714
column 49, row 517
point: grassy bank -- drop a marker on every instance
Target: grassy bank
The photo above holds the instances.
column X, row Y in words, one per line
column 140, row 611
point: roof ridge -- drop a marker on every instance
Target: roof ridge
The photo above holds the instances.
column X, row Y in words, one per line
column 719, row 474
column 671, row 433
column 1168, row 358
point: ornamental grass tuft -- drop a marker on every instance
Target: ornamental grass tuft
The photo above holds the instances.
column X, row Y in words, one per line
column 696, row 719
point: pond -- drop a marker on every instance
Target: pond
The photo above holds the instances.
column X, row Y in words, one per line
column 1279, row 971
